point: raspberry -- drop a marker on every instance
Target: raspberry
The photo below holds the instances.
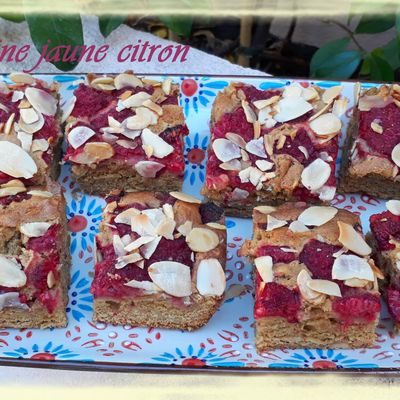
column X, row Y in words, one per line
column 393, row 300
column 277, row 301
column 45, row 243
column 89, row 101
column 384, row 226
column 210, row 212
column 277, row 254
column 234, row 122
column 254, row 94
column 318, row 258
column 357, row 305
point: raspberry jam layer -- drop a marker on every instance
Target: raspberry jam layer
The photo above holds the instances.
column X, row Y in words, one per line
column 393, row 301
column 384, row 227
column 93, row 107
column 380, row 144
column 224, row 180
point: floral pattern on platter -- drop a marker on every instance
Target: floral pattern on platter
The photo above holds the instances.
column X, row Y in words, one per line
column 228, row 339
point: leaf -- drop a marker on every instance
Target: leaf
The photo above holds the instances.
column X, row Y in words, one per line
column 60, row 29
column 333, row 60
column 391, row 52
column 108, row 23
column 365, row 68
column 375, row 23
column 13, row 17
column 180, row 25
column 380, row 69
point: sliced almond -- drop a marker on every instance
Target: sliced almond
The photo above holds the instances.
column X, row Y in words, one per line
column 298, row 227
column 166, row 229
column 67, row 108
column 265, row 209
column 144, row 285
column 232, row 165
column 79, row 136
column 315, row 175
column 309, row 93
column 125, row 217
column 160, row 147
column 34, row 229
column 34, row 126
column 123, row 261
column 349, row 266
column 138, row 242
column 11, row 191
column 225, row 150
column 317, row 215
column 98, row 151
column 256, row 147
column 327, row 193
column 293, row 90
column 376, row 127
column 355, row 282
column 340, row 106
column 185, row 197
column 41, row 101
column 304, row 151
column 9, row 123
column 352, row 240
column 326, row 124
column 210, row 280
column 236, row 139
column 22, row 77
column 274, row 223
column 166, row 86
column 239, row 194
column 264, row 165
column 259, row 104
column 172, row 277
column 185, row 228
column 11, row 273
column 51, row 280
column 124, row 80
column 331, row 93
column 15, row 161
column 324, row 286
column 40, row 193
column 264, row 267
column 141, row 224
column 29, row 115
column 148, row 169
column 39, row 145
column 126, row 144
column 102, row 80
column 216, row 225
column 148, row 249
column 291, row 108
column 25, row 140
column 248, row 112
column 153, row 106
column 396, row 154
column 118, row 245
column 303, row 278
column 393, row 206
column 142, row 119
column 202, row 240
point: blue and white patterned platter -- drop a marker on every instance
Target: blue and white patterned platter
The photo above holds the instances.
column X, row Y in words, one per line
column 227, row 342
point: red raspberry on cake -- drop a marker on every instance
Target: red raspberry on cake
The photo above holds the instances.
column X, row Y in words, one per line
column 385, row 239
column 271, row 146
column 371, row 159
column 160, row 261
column 30, row 136
column 34, row 259
column 126, row 133
column 315, row 283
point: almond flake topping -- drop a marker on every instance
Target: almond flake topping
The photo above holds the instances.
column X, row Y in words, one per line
column 153, row 106
column 225, row 150
column 265, row 209
column 138, row 242
column 348, row 266
column 141, row 224
column 123, row 261
column 331, row 93
column 40, row 193
column 352, row 240
column 11, row 273
column 216, row 225
column 185, row 197
column 317, row 215
column 324, row 286
column 15, row 161
column 25, row 140
column 148, row 169
column 118, row 245
column 326, row 124
column 376, row 127
column 29, row 115
column 264, row 165
column 239, row 194
column 202, row 240
column 142, row 119
column 340, row 106
column 148, row 249
column 79, row 136
column 274, row 223
column 95, row 152
column 264, row 268
column 124, row 80
column 41, row 101
column 34, row 229
column 160, row 147
column 144, row 285
column 396, row 154
column 256, row 147
column 298, row 227
column 393, row 206
column 315, row 175
column 304, row 151
column 21, row 77
column 236, row 139
column 259, row 104
column 166, row 86
column 303, row 278
column 355, row 282
column 11, row 191
column 172, row 277
column 249, row 113
column 232, row 165
column 34, row 126
column 8, row 125
column 185, row 228
column 125, row 216
column 210, row 280
column 291, row 108
column 67, row 108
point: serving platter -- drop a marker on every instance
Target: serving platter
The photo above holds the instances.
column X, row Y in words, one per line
column 226, row 343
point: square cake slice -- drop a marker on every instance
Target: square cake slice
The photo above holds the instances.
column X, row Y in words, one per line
column 34, row 259
column 271, row 146
column 160, row 261
column 315, row 284
column 30, row 134
column 385, row 240
column 126, row 133
column 371, row 158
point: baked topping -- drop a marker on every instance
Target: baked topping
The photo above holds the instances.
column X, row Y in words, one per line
column 128, row 119
column 160, row 239
column 281, row 141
